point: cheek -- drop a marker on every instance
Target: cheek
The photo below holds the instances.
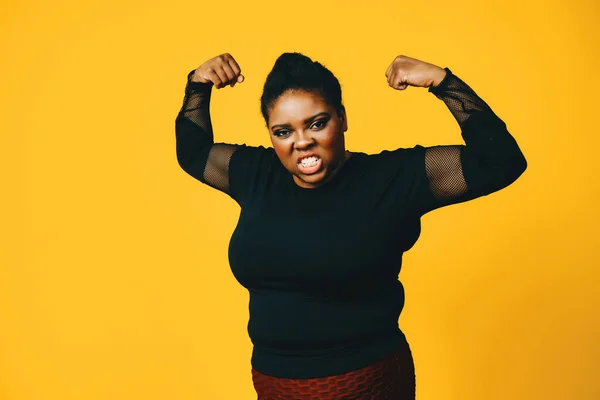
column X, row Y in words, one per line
column 330, row 138
column 282, row 149
column 329, row 141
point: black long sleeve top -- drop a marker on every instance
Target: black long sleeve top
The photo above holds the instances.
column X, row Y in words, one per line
column 321, row 264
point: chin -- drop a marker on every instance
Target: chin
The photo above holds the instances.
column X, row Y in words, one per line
column 313, row 178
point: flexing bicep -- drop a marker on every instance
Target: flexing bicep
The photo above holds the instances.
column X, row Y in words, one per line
column 197, row 154
column 444, row 172
column 489, row 160
column 234, row 169
column 200, row 157
column 240, row 176
column 216, row 171
column 438, row 176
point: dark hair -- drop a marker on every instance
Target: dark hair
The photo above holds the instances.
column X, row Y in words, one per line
column 297, row 71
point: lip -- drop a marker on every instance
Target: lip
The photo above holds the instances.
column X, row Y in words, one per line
column 306, row 155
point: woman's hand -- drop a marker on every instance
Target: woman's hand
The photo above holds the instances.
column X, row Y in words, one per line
column 405, row 71
column 221, row 71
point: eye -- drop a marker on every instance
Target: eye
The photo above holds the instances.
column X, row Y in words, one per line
column 319, row 124
column 281, row 132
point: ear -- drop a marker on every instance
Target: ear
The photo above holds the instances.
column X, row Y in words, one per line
column 344, row 119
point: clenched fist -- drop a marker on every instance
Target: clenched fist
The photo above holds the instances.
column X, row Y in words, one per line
column 406, row 71
column 221, row 71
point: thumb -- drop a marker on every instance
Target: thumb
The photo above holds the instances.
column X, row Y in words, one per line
column 239, row 79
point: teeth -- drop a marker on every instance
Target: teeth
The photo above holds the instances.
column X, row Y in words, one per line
column 309, row 161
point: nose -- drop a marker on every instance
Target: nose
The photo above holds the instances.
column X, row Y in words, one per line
column 303, row 139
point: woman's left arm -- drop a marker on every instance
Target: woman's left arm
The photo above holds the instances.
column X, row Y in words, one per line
column 489, row 161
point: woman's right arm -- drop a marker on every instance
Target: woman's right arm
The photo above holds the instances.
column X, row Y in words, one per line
column 197, row 153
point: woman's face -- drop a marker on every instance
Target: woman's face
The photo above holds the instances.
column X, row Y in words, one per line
column 301, row 123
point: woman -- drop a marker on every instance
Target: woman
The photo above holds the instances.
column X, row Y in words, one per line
column 322, row 230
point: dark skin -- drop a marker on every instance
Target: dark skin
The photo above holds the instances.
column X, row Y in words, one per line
column 301, row 122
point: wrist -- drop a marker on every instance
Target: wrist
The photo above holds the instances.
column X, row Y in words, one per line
column 438, row 77
column 197, row 85
column 439, row 85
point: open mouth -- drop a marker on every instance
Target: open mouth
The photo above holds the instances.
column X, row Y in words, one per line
column 310, row 165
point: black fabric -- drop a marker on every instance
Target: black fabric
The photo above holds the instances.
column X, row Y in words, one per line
column 321, row 264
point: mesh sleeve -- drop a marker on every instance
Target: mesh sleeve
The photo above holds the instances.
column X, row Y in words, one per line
column 489, row 161
column 461, row 100
column 197, row 154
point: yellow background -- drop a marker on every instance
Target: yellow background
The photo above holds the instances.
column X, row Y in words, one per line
column 114, row 280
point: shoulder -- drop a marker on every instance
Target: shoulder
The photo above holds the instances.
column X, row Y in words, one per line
column 251, row 170
column 388, row 167
column 246, row 157
column 245, row 150
column 397, row 157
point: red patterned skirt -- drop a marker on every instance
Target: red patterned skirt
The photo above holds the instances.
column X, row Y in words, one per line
column 390, row 378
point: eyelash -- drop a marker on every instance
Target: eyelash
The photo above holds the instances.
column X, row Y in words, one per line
column 283, row 132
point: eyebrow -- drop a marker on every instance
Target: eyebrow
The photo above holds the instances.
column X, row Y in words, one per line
column 306, row 121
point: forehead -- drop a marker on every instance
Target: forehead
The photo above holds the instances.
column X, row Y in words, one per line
column 296, row 105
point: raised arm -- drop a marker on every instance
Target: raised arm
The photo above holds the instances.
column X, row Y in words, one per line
column 197, row 153
column 490, row 159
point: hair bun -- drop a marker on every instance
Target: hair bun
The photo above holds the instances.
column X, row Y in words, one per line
column 293, row 64
column 293, row 70
column 287, row 59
